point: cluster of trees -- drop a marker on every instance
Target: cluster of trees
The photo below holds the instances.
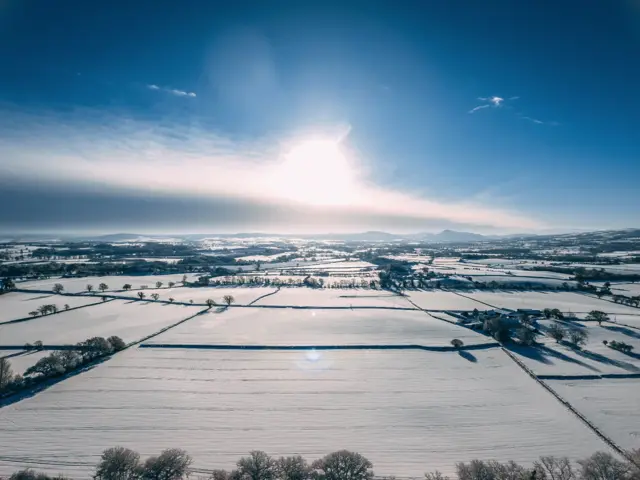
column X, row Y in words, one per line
column 57, row 363
column 121, row 463
column 577, row 336
column 47, row 309
column 620, row 346
column 301, row 281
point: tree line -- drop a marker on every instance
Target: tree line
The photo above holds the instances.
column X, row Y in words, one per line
column 57, row 363
column 121, row 463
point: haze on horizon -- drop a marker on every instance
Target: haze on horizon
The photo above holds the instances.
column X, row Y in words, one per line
column 280, row 117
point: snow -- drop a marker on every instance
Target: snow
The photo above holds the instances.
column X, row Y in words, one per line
column 15, row 305
column 628, row 289
column 115, row 282
column 303, row 327
column 334, row 297
column 442, row 300
column 564, row 301
column 129, row 320
column 199, row 295
column 408, row 412
column 611, row 404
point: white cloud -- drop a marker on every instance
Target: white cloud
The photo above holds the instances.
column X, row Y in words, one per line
column 181, row 160
column 172, row 91
column 479, row 107
column 494, row 101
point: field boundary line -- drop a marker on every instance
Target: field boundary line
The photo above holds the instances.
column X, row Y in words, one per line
column 570, row 407
column 434, row 348
column 26, row 319
column 263, row 296
column 473, row 299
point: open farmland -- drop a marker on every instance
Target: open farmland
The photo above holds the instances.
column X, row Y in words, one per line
column 16, row 305
column 564, row 301
column 129, row 320
column 291, row 327
column 241, row 295
column 333, row 297
column 441, row 300
column 611, row 404
column 115, row 282
column 403, row 410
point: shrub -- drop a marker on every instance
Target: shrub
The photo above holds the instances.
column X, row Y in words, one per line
column 620, row 346
column 116, row 343
column 457, row 343
column 58, row 288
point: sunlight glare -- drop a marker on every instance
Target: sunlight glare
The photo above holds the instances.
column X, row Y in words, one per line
column 316, row 171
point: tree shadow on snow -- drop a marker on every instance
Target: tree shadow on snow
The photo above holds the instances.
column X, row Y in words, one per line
column 468, row 356
column 624, row 330
column 606, row 360
column 529, row 352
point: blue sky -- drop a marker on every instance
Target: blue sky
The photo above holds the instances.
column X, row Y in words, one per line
column 496, row 116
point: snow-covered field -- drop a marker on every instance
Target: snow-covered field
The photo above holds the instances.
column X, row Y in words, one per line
column 334, row 297
column 14, row 305
column 242, row 295
column 441, row 300
column 628, row 289
column 304, row 327
column 409, row 412
column 610, row 404
column 129, row 320
column 20, row 363
column 77, row 285
column 565, row 301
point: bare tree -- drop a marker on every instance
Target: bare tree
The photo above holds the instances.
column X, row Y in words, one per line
column 228, row 299
column 257, row 466
column 555, row 468
column 210, row 303
column 578, row 336
column 526, row 335
column 6, row 373
column 155, row 296
column 171, row 464
column 457, row 343
column 171, row 284
column 171, row 299
column 89, row 288
column 141, row 295
column 66, row 306
column 58, row 288
column 34, row 313
column 435, row 476
column 118, row 463
column 292, row 468
column 126, row 286
column 343, row 465
column 103, row 287
column 598, row 316
column 556, row 331
column 158, row 284
column 603, row 466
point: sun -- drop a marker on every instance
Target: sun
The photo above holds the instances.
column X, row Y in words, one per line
column 316, row 171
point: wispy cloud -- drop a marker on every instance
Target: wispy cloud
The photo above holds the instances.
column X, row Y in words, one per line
column 191, row 161
column 172, row 91
column 538, row 121
column 493, row 102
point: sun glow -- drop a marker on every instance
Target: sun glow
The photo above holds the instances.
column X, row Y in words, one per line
column 316, row 171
